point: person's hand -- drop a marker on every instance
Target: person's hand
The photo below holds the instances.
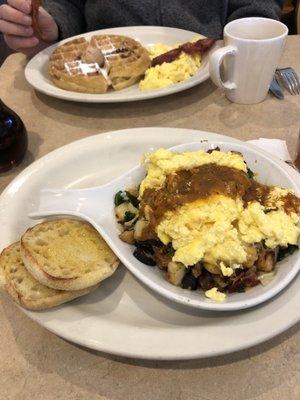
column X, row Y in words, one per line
column 16, row 25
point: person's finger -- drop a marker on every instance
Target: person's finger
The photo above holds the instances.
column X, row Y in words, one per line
column 12, row 15
column 19, row 43
column 21, row 5
column 9, row 28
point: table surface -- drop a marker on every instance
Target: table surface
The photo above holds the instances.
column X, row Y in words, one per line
column 35, row 364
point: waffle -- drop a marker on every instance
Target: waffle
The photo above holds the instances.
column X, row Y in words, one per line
column 93, row 66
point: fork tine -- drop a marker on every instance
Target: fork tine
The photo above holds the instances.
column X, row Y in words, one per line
column 289, row 78
column 296, row 80
column 283, row 79
column 293, row 81
column 290, row 83
column 280, row 78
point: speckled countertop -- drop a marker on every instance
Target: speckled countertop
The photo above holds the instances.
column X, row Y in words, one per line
column 37, row 365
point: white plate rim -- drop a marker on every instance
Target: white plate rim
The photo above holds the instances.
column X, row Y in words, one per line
column 105, row 98
column 77, row 339
column 130, row 353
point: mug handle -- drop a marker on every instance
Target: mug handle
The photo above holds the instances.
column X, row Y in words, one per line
column 215, row 63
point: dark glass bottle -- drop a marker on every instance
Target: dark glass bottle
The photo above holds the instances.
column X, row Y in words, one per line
column 13, row 138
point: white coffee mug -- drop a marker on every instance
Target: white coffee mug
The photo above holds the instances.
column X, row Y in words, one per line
column 244, row 68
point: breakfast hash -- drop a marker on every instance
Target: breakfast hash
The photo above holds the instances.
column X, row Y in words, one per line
column 207, row 223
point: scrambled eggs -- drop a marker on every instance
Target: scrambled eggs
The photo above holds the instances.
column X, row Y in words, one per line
column 215, row 295
column 203, row 219
column 167, row 74
column 217, row 229
column 203, row 230
column 275, row 227
column 226, row 271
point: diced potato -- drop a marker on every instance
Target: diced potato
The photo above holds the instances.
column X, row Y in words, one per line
column 266, row 261
column 176, row 272
column 127, row 237
column 213, row 269
column 123, row 208
column 140, row 225
column 252, row 256
column 134, row 191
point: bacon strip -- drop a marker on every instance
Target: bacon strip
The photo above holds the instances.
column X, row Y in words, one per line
column 35, row 5
column 201, row 46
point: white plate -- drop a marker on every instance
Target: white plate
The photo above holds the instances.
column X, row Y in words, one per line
column 36, row 71
column 98, row 208
column 123, row 317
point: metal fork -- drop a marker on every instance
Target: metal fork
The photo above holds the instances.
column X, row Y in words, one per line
column 289, row 78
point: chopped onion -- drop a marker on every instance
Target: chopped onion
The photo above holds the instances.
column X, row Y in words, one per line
column 266, row 278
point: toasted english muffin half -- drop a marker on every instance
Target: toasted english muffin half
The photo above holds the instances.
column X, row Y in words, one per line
column 67, row 254
column 25, row 289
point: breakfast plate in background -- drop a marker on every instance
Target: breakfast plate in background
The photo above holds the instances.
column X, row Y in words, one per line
column 125, row 317
column 36, row 71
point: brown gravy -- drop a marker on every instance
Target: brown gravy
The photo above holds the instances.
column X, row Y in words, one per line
column 257, row 192
column 187, row 186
